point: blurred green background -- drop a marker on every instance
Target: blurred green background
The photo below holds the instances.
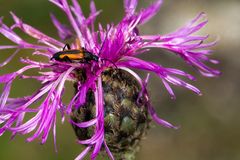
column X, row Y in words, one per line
column 210, row 127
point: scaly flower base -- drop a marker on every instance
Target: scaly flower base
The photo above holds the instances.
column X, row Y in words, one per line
column 126, row 115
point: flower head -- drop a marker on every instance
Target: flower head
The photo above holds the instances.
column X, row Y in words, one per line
column 91, row 53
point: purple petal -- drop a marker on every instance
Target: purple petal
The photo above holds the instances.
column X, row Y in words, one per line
column 63, row 31
column 34, row 32
column 189, row 47
column 159, row 120
column 5, row 94
column 78, row 12
column 130, row 6
column 148, row 13
column 108, row 151
column 97, row 147
column 7, row 47
column 83, row 153
column 66, row 8
column 84, row 124
column 11, row 35
column 9, row 59
column 57, row 3
column 55, row 135
column 169, row 89
column 100, row 116
column 7, row 77
column 163, row 73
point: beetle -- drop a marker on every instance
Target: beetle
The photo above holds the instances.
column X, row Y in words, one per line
column 75, row 55
column 80, row 55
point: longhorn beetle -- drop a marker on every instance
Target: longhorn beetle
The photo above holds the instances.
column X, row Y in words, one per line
column 80, row 55
column 75, row 55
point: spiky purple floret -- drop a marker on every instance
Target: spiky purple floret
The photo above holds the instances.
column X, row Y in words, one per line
column 118, row 43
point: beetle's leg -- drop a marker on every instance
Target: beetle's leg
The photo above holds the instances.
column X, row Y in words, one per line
column 82, row 61
column 67, row 59
column 68, row 47
column 88, row 61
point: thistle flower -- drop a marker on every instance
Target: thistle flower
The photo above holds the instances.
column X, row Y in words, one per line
column 111, row 108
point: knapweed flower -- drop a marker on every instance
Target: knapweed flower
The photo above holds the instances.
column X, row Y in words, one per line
column 111, row 109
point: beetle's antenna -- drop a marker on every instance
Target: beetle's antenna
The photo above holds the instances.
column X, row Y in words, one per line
column 104, row 41
column 66, row 46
